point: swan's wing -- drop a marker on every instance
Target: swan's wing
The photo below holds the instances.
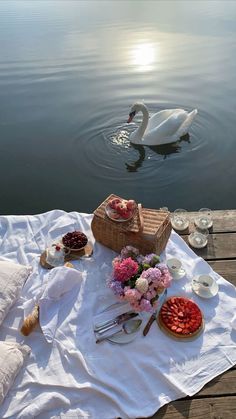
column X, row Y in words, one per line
column 159, row 117
column 184, row 128
column 168, row 127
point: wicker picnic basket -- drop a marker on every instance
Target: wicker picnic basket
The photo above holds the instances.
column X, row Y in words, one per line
column 149, row 230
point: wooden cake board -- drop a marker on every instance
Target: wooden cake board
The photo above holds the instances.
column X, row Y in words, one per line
column 87, row 251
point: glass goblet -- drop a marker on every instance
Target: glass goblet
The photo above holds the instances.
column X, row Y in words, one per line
column 204, row 219
column 180, row 220
column 198, row 238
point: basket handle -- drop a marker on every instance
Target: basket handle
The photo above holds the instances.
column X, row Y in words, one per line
column 140, row 216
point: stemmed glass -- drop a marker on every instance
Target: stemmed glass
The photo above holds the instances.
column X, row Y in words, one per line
column 179, row 219
column 198, row 238
column 204, row 219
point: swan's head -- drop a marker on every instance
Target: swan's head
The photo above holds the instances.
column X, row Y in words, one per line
column 135, row 109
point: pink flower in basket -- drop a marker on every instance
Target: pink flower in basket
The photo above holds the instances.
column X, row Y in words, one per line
column 139, row 279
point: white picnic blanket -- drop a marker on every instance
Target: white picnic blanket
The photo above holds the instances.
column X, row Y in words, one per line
column 73, row 377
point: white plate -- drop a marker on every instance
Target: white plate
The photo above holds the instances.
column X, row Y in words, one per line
column 209, row 293
column 123, row 338
column 109, row 211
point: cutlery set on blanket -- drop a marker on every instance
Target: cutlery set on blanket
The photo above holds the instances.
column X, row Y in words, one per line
column 123, row 324
column 124, row 327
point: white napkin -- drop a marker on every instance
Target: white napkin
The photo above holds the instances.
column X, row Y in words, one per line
column 60, row 281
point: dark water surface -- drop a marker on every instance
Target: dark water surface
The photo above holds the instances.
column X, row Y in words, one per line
column 69, row 71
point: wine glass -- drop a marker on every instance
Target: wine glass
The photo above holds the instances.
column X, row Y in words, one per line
column 179, row 219
column 198, row 238
column 204, row 219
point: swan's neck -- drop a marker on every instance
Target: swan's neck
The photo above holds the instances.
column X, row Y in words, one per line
column 142, row 128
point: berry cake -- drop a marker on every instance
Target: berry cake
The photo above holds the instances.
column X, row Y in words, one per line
column 180, row 317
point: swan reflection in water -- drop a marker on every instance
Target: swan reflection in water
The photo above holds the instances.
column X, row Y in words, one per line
column 164, row 150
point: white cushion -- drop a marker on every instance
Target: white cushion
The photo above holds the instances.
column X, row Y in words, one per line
column 12, row 356
column 12, row 279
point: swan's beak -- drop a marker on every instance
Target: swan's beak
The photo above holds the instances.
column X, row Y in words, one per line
column 131, row 116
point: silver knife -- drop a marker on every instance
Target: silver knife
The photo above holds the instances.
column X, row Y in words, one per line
column 118, row 320
column 108, row 322
column 154, row 315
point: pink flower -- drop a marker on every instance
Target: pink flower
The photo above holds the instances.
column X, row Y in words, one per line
column 166, row 280
column 152, row 274
column 141, row 291
column 125, row 269
column 148, row 295
column 135, row 305
column 132, row 295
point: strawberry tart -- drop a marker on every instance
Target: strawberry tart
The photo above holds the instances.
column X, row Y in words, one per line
column 180, row 317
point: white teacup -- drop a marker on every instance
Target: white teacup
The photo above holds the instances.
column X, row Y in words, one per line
column 205, row 286
column 204, row 282
column 175, row 268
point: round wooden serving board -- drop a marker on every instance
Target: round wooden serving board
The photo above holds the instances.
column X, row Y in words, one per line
column 176, row 336
column 172, row 305
column 87, row 251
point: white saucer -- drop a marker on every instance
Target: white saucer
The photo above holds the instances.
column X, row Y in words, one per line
column 205, row 293
column 178, row 275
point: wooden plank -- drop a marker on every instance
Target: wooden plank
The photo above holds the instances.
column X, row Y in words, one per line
column 221, row 385
column 223, row 221
column 225, row 268
column 205, row 408
column 224, row 385
column 220, row 246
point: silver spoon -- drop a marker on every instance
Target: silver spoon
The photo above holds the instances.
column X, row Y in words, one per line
column 205, row 284
column 128, row 327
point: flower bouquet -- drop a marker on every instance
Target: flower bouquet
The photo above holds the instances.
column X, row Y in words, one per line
column 139, row 279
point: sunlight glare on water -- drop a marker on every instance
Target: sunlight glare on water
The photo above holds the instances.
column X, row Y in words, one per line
column 68, row 77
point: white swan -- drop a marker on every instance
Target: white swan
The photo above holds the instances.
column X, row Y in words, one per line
column 163, row 127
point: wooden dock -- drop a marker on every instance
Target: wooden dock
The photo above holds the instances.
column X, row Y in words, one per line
column 217, row 400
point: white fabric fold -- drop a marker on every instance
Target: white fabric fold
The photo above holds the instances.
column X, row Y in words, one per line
column 233, row 322
column 60, row 281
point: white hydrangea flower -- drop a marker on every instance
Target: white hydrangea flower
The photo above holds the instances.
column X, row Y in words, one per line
column 142, row 285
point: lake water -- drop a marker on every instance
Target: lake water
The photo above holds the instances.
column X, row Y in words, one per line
column 69, row 72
